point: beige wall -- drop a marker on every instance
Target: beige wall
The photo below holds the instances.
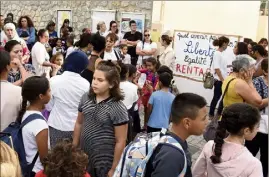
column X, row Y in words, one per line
column 222, row 17
column 262, row 30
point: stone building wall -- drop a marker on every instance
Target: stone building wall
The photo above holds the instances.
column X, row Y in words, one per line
column 42, row 12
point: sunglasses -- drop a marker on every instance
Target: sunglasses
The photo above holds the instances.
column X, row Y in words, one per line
column 114, row 26
column 146, row 35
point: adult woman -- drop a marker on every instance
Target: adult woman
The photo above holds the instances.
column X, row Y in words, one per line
column 11, row 34
column 65, row 26
column 250, row 47
column 241, row 88
column 110, row 53
column 259, row 54
column 66, row 90
column 260, row 142
column 263, row 42
column 19, row 71
column 102, row 135
column 26, row 30
column 9, row 162
column 168, row 56
column 113, row 28
column 219, row 65
column 40, row 57
column 241, row 48
column 101, row 28
column 145, row 49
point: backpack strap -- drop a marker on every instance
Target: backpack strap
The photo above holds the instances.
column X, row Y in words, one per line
column 29, row 119
column 117, row 55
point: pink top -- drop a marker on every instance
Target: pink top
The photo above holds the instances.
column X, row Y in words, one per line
column 237, row 161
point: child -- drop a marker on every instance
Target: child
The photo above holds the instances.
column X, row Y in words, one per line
column 102, row 121
column 58, row 47
column 159, row 105
column 126, row 58
column 150, row 84
column 36, row 92
column 228, row 156
column 64, row 160
column 189, row 117
column 57, row 59
column 70, row 45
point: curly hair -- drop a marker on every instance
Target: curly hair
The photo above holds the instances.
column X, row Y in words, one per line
column 65, row 161
column 29, row 21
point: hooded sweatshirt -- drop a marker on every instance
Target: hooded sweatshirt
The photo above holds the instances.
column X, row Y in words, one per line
column 236, row 161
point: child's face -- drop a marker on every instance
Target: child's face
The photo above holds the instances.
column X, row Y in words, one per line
column 100, row 84
column 46, row 97
column 150, row 66
column 59, row 60
column 59, row 43
column 124, row 50
column 197, row 126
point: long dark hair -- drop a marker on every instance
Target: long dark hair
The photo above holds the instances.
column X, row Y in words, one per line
column 242, row 48
column 110, row 25
column 31, row 89
column 234, row 118
column 29, row 21
column 10, row 44
column 154, row 61
column 41, row 33
column 112, row 74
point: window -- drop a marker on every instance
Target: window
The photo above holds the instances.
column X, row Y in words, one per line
column 264, row 8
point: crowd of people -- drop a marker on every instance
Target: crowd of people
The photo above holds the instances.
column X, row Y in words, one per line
column 88, row 94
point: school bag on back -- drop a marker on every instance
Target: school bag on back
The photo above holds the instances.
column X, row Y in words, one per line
column 15, row 140
column 135, row 156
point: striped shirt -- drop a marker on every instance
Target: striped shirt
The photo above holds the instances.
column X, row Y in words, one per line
column 98, row 136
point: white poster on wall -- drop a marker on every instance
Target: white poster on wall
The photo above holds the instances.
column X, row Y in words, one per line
column 126, row 17
column 102, row 15
column 61, row 16
column 194, row 52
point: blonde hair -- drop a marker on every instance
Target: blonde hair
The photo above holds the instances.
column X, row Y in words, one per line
column 9, row 162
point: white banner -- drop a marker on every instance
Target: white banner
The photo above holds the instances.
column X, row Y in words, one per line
column 194, row 52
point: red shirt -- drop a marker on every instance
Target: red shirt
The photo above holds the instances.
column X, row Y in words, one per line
column 41, row 174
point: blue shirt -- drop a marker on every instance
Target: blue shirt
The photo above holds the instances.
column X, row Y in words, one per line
column 161, row 102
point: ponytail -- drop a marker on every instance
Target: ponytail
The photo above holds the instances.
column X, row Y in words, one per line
column 219, row 140
column 22, row 111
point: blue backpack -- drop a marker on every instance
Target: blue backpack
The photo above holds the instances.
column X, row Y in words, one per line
column 15, row 140
column 136, row 155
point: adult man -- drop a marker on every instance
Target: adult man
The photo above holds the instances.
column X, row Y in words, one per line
column 131, row 38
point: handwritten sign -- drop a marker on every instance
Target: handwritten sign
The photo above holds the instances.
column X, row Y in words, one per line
column 194, row 52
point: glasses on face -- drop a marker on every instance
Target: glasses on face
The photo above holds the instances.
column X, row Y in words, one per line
column 146, row 35
column 114, row 26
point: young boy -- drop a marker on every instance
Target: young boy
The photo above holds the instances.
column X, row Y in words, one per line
column 159, row 105
column 126, row 58
column 189, row 117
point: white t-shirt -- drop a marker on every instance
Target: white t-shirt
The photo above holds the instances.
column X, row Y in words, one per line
column 10, row 103
column 39, row 56
column 66, row 90
column 69, row 50
column 219, row 62
column 146, row 46
column 127, row 59
column 130, row 93
column 110, row 55
column 29, row 133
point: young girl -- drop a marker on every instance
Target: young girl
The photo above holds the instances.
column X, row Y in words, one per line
column 228, row 156
column 102, row 133
column 150, row 84
column 64, row 160
column 126, row 58
column 159, row 104
column 36, row 92
column 57, row 59
column 58, row 47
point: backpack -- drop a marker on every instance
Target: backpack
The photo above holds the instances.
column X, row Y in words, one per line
column 15, row 140
column 208, row 78
column 135, row 156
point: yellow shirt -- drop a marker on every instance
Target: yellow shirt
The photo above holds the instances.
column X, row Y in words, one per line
column 231, row 96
